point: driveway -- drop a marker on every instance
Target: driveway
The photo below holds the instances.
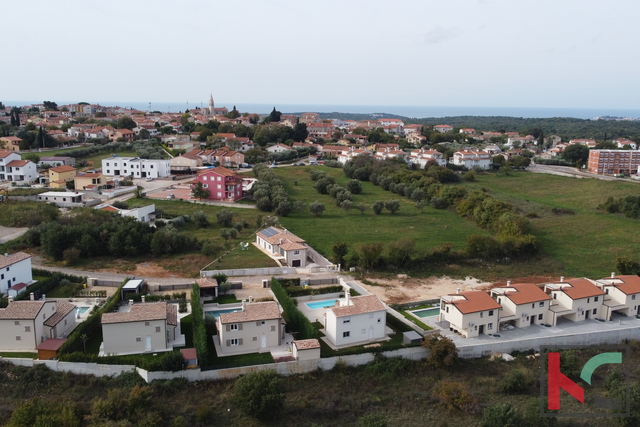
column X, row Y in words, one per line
column 9, row 233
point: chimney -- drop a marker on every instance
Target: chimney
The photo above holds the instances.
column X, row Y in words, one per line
column 244, row 305
column 44, row 297
column 10, row 299
column 613, row 274
column 130, row 302
column 457, row 290
column 144, row 298
column 561, row 279
column 250, row 299
column 6, row 254
column 347, row 296
column 508, row 283
column 32, row 297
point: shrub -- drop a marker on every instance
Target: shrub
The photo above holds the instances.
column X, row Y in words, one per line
column 443, row 353
column 516, row 381
column 501, row 415
column 438, row 203
column 354, row 186
column 455, row 397
column 296, row 320
column 378, row 206
column 200, row 219
column 260, row 394
column 71, row 256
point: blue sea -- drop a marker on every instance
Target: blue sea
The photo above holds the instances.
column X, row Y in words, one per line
column 400, row 110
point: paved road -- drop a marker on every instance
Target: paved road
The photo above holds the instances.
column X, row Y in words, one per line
column 9, row 233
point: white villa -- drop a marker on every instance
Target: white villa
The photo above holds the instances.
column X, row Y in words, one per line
column 470, row 313
column 356, row 321
column 283, row 245
column 136, row 167
column 622, row 295
column 575, row 299
column 472, row 158
column 15, row 269
column 523, row 304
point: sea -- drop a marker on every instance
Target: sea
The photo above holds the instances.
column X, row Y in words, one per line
column 410, row 111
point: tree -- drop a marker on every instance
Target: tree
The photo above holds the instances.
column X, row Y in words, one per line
column 626, row 265
column 316, row 208
column 354, row 186
column 575, row 152
column 378, row 206
column 392, row 205
column 299, row 206
column 284, row 208
column 443, row 353
column 260, row 394
column 370, row 254
column 200, row 219
column 346, row 205
column 144, row 134
column 49, row 105
column 24, row 145
column 520, row 162
column 126, row 123
column 340, row 251
column 225, row 218
column 199, row 192
column 362, row 207
column 300, row 132
column 400, row 251
column 224, row 233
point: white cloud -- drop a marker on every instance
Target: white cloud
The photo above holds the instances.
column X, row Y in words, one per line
column 440, row 34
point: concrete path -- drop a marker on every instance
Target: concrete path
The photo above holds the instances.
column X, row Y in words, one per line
column 574, row 173
column 9, row 233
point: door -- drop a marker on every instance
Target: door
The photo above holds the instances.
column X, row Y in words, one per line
column 263, row 341
column 295, row 263
column 147, row 344
column 481, row 331
column 586, row 314
column 532, row 319
column 370, row 332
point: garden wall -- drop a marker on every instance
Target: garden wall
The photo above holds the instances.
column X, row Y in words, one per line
column 267, row 271
column 95, row 369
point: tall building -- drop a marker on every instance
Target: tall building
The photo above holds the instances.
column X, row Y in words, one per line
column 613, row 162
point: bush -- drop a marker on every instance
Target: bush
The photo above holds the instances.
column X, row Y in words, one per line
column 200, row 337
column 377, row 207
column 501, row 415
column 516, row 381
column 71, row 256
column 260, row 394
column 455, row 397
column 297, row 321
column 443, row 353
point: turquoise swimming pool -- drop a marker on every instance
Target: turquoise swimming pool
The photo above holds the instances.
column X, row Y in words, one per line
column 84, row 309
column 321, row 304
column 427, row 312
column 216, row 313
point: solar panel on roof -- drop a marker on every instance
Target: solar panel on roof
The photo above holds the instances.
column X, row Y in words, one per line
column 268, row 232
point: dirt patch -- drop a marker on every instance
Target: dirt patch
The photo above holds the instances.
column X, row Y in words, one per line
column 144, row 269
column 395, row 291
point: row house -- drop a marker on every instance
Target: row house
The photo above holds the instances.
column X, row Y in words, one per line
column 522, row 305
column 389, row 153
column 470, row 313
column 591, row 143
column 222, row 183
column 320, row 130
column 136, row 167
column 472, row 158
column 185, row 162
column 621, row 295
column 421, row 157
column 613, row 162
column 575, row 300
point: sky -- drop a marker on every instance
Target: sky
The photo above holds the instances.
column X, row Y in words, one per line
column 493, row 53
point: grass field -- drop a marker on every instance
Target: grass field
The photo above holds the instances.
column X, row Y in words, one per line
column 585, row 243
column 431, row 228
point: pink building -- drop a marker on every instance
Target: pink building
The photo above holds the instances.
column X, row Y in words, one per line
column 221, row 182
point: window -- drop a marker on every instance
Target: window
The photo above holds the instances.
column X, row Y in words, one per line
column 499, row 300
column 363, row 331
column 540, row 316
column 346, row 334
column 27, row 328
column 16, row 322
column 633, row 297
column 447, row 309
column 595, row 311
column 146, row 323
column 234, row 341
column 273, row 328
column 254, row 339
column 138, row 339
column 296, row 252
column 555, row 295
column 490, row 312
column 595, row 299
column 233, row 327
column 588, row 300
column 481, row 314
column 346, row 320
column 490, row 326
column 370, row 315
column 541, row 304
column 157, row 328
column 18, row 338
column 533, row 305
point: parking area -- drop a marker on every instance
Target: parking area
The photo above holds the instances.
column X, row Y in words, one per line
column 178, row 193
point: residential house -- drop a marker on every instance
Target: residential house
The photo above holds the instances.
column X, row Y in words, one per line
column 26, row 324
column 309, row 118
column 11, row 143
column 351, row 153
column 472, row 158
column 90, row 181
column 468, row 131
column 56, row 161
column 257, row 327
column 470, row 313
column 622, row 142
column 142, row 214
column 14, row 269
column 591, row 143
column 283, row 245
column 230, row 158
column 575, row 299
column 145, row 328
column 136, row 167
column 421, row 157
column 66, row 199
column 7, row 157
column 613, row 162
column 21, row 171
column 443, row 128
column 523, row 304
column 416, row 139
column 222, row 183
column 60, row 175
column 320, row 130
column 278, row 148
column 622, row 295
column 121, row 134
column 181, row 142
column 185, row 162
column 356, row 320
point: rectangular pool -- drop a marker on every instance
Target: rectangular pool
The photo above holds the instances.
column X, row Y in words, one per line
column 84, row 309
column 216, row 313
column 321, row 304
column 427, row 312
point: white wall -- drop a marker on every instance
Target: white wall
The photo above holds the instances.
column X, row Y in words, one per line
column 20, row 272
column 121, row 338
column 361, row 327
column 251, row 334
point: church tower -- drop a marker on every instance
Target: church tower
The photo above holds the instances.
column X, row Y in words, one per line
column 211, row 105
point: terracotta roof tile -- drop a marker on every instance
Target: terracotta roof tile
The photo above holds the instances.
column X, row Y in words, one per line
column 207, row 282
column 6, row 261
column 474, row 301
column 581, row 288
column 252, row 312
column 361, row 304
column 64, row 168
column 306, row 344
column 21, row 310
column 628, row 284
column 524, row 293
column 62, row 309
column 139, row 312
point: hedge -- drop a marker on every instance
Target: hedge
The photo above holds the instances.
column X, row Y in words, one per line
column 167, row 361
column 44, row 286
column 299, row 292
column 296, row 321
column 199, row 328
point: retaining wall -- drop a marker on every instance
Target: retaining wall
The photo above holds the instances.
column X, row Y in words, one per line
column 250, row 271
column 95, row 369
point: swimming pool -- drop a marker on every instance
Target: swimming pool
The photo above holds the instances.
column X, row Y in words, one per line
column 427, row 312
column 321, row 304
column 216, row 313
column 83, row 309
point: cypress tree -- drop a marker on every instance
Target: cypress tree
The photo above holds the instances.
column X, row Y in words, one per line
column 13, row 119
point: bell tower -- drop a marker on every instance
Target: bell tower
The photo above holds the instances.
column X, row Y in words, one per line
column 211, row 105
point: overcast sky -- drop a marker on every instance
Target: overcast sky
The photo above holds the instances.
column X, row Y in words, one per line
column 507, row 53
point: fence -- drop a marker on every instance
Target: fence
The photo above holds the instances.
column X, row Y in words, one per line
column 267, row 271
column 95, row 369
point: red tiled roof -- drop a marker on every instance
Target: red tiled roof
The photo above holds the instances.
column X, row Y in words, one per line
column 64, row 168
column 581, row 288
column 17, row 163
column 306, row 344
column 51, row 344
column 8, row 260
column 630, row 283
column 525, row 293
column 361, row 304
column 252, row 312
column 475, row 301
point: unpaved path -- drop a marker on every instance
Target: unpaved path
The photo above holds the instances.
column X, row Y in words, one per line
column 9, row 233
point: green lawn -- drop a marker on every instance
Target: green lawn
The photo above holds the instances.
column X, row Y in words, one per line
column 19, row 355
column 430, row 229
column 68, row 291
column 584, row 244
